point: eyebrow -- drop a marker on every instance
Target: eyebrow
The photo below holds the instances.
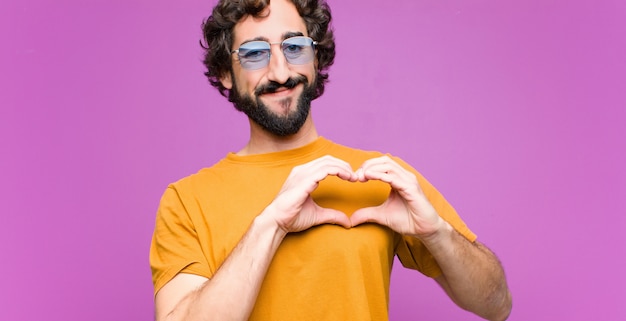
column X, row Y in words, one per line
column 286, row 35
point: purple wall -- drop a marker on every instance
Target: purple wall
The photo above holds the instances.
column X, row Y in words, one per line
column 515, row 111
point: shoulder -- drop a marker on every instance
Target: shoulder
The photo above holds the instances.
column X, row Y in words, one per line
column 201, row 177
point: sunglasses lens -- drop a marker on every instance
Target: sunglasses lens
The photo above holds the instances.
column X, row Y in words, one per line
column 254, row 54
column 298, row 50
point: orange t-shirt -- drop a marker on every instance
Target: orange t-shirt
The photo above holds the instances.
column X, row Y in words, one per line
column 324, row 273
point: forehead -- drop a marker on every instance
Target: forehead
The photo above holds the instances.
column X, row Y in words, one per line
column 279, row 19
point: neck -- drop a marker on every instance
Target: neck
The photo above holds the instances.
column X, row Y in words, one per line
column 262, row 142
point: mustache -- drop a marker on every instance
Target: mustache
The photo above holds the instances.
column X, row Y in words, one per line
column 272, row 86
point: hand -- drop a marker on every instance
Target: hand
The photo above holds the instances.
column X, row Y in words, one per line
column 294, row 210
column 407, row 210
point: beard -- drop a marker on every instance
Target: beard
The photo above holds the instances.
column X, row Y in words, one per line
column 258, row 112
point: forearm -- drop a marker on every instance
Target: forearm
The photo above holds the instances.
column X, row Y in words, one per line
column 231, row 293
column 473, row 276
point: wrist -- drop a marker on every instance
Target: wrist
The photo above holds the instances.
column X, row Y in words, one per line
column 268, row 224
column 441, row 235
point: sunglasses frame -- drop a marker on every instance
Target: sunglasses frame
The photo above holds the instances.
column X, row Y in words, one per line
column 243, row 63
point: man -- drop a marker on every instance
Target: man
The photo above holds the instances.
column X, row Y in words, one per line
column 294, row 226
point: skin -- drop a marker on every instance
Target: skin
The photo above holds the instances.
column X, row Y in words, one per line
column 279, row 23
column 472, row 275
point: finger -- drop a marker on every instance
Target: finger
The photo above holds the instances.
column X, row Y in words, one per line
column 340, row 168
column 389, row 172
column 307, row 176
column 382, row 172
column 375, row 166
column 342, row 173
column 360, row 174
column 385, row 159
column 367, row 215
column 329, row 165
column 331, row 216
column 385, row 163
column 373, row 169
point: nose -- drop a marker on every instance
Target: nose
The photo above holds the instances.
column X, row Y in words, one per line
column 278, row 68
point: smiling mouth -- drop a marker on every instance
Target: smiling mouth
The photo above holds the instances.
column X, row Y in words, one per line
column 282, row 91
column 275, row 87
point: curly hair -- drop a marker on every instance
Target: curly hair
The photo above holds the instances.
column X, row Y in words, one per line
column 218, row 37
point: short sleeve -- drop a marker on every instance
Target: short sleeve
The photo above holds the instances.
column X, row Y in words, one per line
column 410, row 251
column 175, row 247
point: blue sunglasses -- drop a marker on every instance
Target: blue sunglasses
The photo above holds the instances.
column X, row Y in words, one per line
column 256, row 54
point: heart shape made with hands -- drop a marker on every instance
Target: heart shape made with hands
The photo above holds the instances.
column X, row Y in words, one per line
column 354, row 203
column 383, row 192
column 348, row 197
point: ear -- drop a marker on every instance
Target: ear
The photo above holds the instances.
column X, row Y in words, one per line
column 227, row 81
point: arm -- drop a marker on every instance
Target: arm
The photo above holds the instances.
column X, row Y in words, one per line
column 472, row 276
column 232, row 291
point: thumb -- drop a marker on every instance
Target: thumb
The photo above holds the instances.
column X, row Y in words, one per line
column 366, row 215
column 332, row 216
